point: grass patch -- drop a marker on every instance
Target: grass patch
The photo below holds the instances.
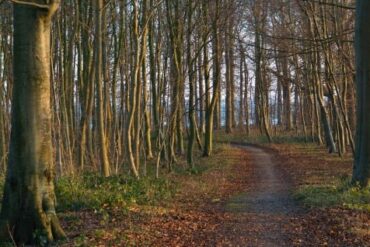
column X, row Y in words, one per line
column 342, row 193
column 91, row 191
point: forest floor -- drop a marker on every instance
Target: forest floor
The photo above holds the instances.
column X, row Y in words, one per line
column 242, row 196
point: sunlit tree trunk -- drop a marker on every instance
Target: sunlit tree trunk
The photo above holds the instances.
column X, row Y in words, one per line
column 86, row 80
column 132, row 102
column 99, row 89
column 210, row 118
column 29, row 201
column 229, row 81
column 261, row 84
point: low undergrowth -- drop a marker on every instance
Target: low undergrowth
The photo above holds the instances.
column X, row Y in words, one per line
column 342, row 193
column 121, row 211
column 91, row 191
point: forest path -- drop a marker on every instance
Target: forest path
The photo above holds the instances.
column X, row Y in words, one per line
column 264, row 214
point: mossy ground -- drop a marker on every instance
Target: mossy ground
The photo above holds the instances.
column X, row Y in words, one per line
column 342, row 193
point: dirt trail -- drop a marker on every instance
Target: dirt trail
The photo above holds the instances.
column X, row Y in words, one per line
column 264, row 214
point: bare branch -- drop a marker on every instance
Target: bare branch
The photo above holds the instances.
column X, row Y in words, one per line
column 33, row 4
column 342, row 6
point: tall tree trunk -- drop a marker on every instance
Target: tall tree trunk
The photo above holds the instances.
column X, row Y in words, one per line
column 210, row 116
column 29, row 200
column 191, row 73
column 229, row 60
column 261, row 85
column 286, row 95
column 86, row 79
column 241, row 89
column 229, row 82
column 361, row 168
column 104, row 161
column 132, row 101
column 153, row 81
column 246, row 95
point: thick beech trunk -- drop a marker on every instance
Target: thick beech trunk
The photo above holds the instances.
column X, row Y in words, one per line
column 28, row 208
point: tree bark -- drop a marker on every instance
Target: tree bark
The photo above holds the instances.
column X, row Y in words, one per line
column 361, row 168
column 99, row 80
column 211, row 109
column 29, row 201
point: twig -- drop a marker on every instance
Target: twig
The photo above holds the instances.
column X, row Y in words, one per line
column 37, row 5
column 11, row 235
